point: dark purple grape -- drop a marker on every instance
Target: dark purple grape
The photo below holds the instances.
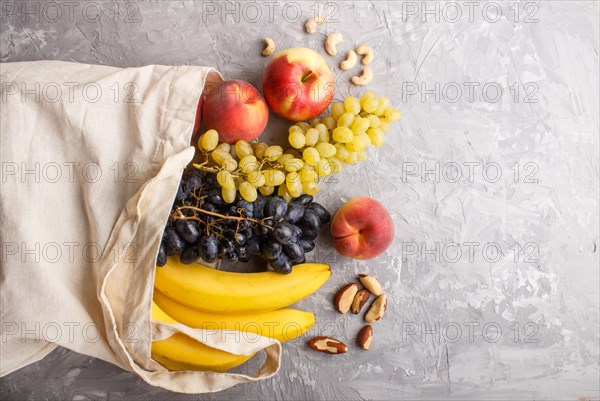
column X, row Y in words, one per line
column 211, row 180
column 282, row 264
column 193, row 181
column 310, row 225
column 304, row 200
column 295, row 211
column 324, row 215
column 243, row 254
column 189, row 255
column 262, row 230
column 247, row 208
column 294, row 251
column 253, row 246
column 208, row 248
column 236, row 237
column 222, row 252
column 297, row 230
column 173, row 242
column 214, row 197
column 271, row 249
column 284, row 232
column 307, row 245
column 161, row 259
column 209, row 207
column 181, row 193
column 276, row 207
column 248, row 232
column 232, row 256
column 188, row 230
column 259, row 207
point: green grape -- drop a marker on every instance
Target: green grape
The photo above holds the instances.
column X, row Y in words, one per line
column 342, row 134
column 323, row 132
column 352, row 104
column 329, row 122
column 307, row 174
column 219, row 156
column 243, row 149
column 293, row 184
column 361, row 156
column 382, row 104
column 256, row 178
column 295, row 128
column 377, row 136
column 365, row 139
column 323, row 168
column 273, row 152
column 384, row 126
column 310, row 156
column 310, row 188
column 312, row 136
column 266, row 190
column 229, row 165
column 225, row 147
column 370, row 105
column 352, row 158
column 360, row 125
column 391, row 115
column 248, row 191
column 228, row 194
column 283, row 192
column 284, row 158
column 337, row 109
column 341, row 152
column 248, row 163
column 274, row 177
column 345, row 120
column 335, row 164
column 304, row 126
column 366, row 96
column 209, row 140
column 313, row 123
column 259, row 149
column 293, row 164
column 374, row 121
column 356, row 144
column 297, row 139
column 325, row 149
column 225, row 178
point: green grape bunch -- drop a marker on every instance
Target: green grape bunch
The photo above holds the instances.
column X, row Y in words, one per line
column 318, row 149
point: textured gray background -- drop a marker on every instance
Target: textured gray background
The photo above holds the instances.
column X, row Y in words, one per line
column 541, row 135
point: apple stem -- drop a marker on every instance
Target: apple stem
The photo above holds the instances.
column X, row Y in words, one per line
column 305, row 78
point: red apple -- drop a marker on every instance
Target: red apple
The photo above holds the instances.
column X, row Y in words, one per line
column 362, row 229
column 236, row 110
column 298, row 84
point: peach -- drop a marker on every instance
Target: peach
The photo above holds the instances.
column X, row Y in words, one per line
column 298, row 84
column 362, row 229
column 236, row 110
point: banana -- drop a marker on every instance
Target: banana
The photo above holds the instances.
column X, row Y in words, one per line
column 231, row 293
column 282, row 324
column 180, row 352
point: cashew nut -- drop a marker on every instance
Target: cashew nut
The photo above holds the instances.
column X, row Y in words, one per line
column 349, row 62
column 367, row 52
column 270, row 47
column 332, row 41
column 364, row 79
column 312, row 23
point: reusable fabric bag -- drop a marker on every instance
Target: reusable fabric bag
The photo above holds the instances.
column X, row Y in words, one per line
column 91, row 160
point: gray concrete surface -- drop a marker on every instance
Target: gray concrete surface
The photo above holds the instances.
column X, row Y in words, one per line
column 491, row 178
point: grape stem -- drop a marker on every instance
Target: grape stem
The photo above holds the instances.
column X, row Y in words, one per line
column 199, row 210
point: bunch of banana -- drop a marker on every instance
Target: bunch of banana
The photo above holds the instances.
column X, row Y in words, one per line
column 210, row 299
